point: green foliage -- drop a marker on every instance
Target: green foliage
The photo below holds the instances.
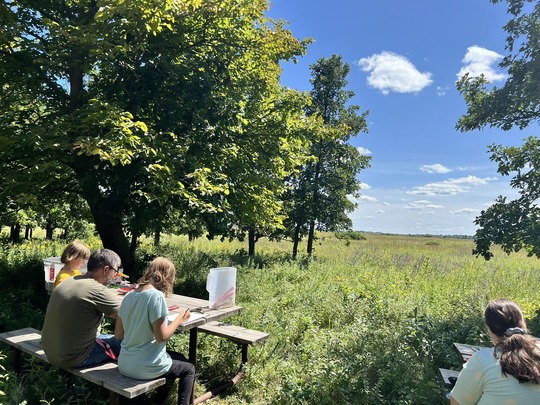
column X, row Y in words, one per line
column 350, row 235
column 517, row 102
column 514, row 225
column 368, row 322
column 135, row 106
column 319, row 198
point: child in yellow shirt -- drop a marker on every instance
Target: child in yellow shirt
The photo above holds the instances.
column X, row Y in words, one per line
column 73, row 257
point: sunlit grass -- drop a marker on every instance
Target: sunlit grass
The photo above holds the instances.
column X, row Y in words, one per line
column 360, row 322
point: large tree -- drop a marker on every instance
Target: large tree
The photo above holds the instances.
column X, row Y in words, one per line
column 133, row 105
column 512, row 224
column 320, row 195
column 255, row 196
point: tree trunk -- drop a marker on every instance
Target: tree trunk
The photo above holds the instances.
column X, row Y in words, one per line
column 28, row 233
column 296, row 240
column 157, row 237
column 315, row 203
column 132, row 250
column 311, row 236
column 251, row 242
column 109, row 228
column 108, row 219
column 49, row 231
column 15, row 233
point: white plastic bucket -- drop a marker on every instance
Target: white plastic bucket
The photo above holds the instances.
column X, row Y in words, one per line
column 221, row 286
column 51, row 268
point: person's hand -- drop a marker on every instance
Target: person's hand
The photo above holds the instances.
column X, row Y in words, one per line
column 185, row 314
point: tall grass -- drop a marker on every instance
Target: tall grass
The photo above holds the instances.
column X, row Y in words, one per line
column 362, row 322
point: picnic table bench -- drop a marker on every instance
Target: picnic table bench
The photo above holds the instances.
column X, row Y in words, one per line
column 449, row 377
column 243, row 337
column 106, row 375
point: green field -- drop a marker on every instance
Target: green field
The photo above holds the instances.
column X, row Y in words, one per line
column 362, row 322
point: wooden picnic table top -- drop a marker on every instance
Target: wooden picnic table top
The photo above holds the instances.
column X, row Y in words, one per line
column 466, row 351
column 200, row 305
column 196, row 305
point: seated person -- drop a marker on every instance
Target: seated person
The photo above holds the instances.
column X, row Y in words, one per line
column 73, row 257
column 509, row 373
column 142, row 325
column 70, row 335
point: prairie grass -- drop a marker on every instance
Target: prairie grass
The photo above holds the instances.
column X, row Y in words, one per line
column 362, row 322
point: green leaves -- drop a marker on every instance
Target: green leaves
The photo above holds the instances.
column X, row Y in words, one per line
column 517, row 102
column 319, row 192
column 150, row 110
column 513, row 225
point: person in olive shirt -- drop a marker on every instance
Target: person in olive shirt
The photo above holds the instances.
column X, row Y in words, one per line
column 71, row 331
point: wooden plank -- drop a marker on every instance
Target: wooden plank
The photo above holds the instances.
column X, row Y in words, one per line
column 104, row 375
column 447, row 375
column 108, row 376
column 466, row 351
column 27, row 340
column 200, row 305
column 236, row 333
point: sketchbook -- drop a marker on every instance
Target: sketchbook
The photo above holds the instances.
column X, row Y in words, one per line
column 194, row 316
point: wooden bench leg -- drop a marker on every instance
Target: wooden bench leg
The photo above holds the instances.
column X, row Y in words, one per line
column 193, row 334
column 17, row 361
column 218, row 390
column 67, row 378
column 244, row 354
column 114, row 398
column 233, row 381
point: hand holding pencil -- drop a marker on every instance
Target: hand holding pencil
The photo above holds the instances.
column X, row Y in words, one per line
column 185, row 314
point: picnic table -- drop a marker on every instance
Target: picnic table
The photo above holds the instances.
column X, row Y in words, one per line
column 209, row 324
column 27, row 340
column 199, row 305
column 466, row 351
column 449, row 377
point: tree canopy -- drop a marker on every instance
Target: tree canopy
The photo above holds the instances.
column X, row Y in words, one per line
column 144, row 104
column 320, row 196
column 514, row 224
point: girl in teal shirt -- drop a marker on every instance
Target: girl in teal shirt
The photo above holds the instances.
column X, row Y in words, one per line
column 142, row 323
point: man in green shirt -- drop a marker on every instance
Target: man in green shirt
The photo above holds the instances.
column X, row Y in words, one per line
column 71, row 331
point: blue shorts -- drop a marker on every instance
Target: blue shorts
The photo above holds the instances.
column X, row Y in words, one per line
column 98, row 354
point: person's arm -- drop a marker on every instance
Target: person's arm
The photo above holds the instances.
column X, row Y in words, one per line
column 119, row 329
column 470, row 383
column 163, row 331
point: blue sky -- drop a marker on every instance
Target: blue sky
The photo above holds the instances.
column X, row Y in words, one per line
column 405, row 57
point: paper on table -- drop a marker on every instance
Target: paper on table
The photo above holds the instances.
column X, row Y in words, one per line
column 193, row 317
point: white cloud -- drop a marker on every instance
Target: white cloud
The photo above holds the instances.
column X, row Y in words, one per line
column 422, row 205
column 479, row 61
column 441, row 91
column 363, row 151
column 450, row 186
column 364, row 186
column 436, row 168
column 390, row 72
column 365, row 198
column 381, row 211
column 465, row 211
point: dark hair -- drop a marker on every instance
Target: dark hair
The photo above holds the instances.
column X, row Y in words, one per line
column 516, row 350
column 101, row 258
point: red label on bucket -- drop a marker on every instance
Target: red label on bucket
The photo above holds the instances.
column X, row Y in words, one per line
column 51, row 273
